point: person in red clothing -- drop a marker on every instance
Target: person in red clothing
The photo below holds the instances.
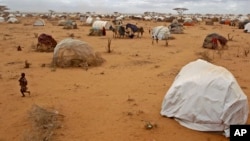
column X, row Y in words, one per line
column 215, row 43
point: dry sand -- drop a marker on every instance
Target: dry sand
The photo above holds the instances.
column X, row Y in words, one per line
column 114, row 101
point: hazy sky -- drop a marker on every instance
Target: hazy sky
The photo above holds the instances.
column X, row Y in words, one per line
column 130, row 6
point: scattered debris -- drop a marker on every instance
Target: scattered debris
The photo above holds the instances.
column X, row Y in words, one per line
column 45, row 122
column 27, row 64
column 19, row 48
column 150, row 125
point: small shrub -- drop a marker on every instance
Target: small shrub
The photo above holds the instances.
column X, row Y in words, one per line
column 26, row 64
column 36, row 35
column 109, row 46
column 44, row 122
column 205, row 56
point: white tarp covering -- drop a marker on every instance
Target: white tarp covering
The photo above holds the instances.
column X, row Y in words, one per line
column 39, row 22
column 247, row 27
column 161, row 32
column 101, row 24
column 205, row 97
column 89, row 20
column 12, row 20
column 2, row 19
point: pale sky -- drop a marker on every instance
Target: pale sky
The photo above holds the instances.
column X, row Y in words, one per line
column 130, row 6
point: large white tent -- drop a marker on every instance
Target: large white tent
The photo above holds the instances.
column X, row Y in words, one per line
column 2, row 19
column 101, row 24
column 247, row 28
column 206, row 97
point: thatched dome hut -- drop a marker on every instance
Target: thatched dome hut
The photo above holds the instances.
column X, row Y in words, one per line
column 75, row 53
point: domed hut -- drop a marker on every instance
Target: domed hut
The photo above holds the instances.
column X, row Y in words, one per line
column 206, row 97
column 75, row 53
column 46, row 43
column 175, row 27
column 213, row 40
column 69, row 24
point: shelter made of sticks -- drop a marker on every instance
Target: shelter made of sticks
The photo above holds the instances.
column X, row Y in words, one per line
column 175, row 27
column 75, row 53
column 213, row 40
column 70, row 24
column 46, row 43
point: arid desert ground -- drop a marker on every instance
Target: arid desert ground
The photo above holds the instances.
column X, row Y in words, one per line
column 114, row 101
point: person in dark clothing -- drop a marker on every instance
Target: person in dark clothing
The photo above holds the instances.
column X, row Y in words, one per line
column 23, row 83
column 103, row 31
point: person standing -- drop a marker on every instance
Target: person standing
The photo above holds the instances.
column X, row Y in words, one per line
column 23, row 83
column 103, row 31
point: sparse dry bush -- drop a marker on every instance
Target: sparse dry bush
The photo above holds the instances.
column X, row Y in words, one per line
column 36, row 35
column 45, row 122
column 108, row 48
column 71, row 35
column 230, row 38
column 33, row 45
column 27, row 64
column 246, row 51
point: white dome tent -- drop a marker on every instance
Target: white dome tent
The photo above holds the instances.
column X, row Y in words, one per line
column 247, row 28
column 2, row 19
column 13, row 20
column 101, row 24
column 198, row 100
column 160, row 32
column 39, row 22
column 89, row 20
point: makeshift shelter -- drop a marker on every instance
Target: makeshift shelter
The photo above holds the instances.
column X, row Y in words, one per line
column 61, row 22
column 247, row 28
column 211, row 41
column 97, row 32
column 89, row 20
column 70, row 24
column 225, row 21
column 75, row 53
column 46, row 43
column 133, row 27
column 101, row 24
column 11, row 16
column 209, row 22
column 147, row 18
column 2, row 19
column 160, row 33
column 188, row 22
column 205, row 97
column 39, row 22
column 176, row 28
column 241, row 24
column 13, row 20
